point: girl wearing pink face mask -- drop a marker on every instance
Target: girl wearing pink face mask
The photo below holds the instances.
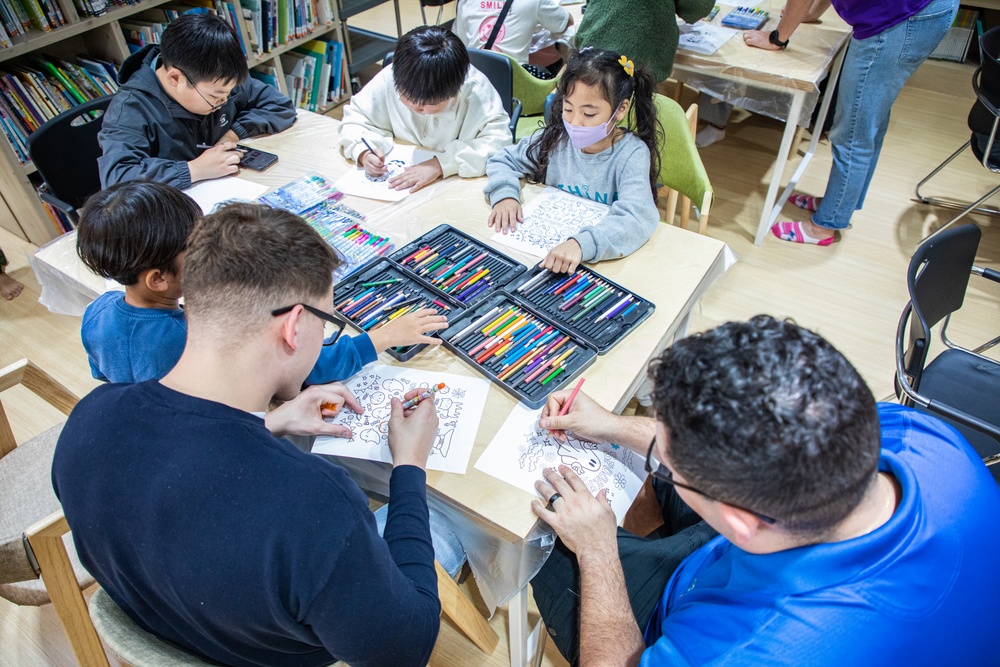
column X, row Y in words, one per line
column 585, row 151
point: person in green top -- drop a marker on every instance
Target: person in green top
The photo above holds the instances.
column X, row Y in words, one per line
column 644, row 30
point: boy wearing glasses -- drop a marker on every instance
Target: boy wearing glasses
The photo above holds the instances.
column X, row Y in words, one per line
column 190, row 91
column 210, row 529
column 136, row 234
column 850, row 532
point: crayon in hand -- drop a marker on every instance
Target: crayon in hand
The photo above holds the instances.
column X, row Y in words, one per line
column 412, row 403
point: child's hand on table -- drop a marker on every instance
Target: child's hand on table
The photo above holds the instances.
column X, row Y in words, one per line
column 219, row 160
column 505, row 215
column 417, row 176
column 564, row 258
column 409, row 329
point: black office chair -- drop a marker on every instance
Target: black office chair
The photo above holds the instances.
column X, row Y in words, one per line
column 984, row 121
column 435, row 3
column 65, row 151
column 499, row 69
column 961, row 386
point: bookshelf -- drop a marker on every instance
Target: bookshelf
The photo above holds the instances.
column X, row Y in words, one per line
column 21, row 210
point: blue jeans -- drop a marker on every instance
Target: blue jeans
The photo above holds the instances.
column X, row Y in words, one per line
column 874, row 72
column 448, row 549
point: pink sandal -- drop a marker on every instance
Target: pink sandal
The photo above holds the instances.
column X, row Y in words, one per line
column 805, row 202
column 792, row 231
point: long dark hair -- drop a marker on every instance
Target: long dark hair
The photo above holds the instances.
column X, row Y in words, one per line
column 602, row 69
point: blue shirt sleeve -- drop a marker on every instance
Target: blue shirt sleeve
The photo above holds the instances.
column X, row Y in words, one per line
column 343, row 359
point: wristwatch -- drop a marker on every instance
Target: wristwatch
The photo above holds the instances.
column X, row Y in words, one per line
column 776, row 40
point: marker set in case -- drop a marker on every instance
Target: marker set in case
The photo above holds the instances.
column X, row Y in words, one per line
column 519, row 348
column 457, row 264
column 381, row 292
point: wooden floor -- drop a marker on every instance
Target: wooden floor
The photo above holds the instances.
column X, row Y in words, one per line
column 851, row 292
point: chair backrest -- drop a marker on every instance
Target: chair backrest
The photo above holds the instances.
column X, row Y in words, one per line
column 681, row 168
column 71, row 133
column 499, row 69
column 981, row 119
column 938, row 276
column 530, row 90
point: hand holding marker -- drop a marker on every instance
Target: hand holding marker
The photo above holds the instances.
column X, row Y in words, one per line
column 412, row 403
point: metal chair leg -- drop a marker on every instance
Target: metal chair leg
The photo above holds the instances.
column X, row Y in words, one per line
column 968, row 209
column 922, row 199
column 953, row 203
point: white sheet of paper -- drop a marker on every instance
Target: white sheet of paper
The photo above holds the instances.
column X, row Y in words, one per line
column 459, row 406
column 704, row 38
column 551, row 218
column 209, row 194
column 356, row 182
column 521, row 450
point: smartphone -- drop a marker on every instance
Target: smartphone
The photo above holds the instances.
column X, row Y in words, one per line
column 255, row 159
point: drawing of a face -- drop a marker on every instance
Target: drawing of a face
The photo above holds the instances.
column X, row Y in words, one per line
column 392, row 167
column 582, row 459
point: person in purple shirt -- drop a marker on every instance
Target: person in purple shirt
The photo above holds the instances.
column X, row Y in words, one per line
column 891, row 39
column 850, row 532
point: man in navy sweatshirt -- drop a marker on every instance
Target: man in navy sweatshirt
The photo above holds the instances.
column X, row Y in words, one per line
column 206, row 527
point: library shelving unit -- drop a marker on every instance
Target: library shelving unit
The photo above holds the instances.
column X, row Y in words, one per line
column 364, row 47
column 21, row 210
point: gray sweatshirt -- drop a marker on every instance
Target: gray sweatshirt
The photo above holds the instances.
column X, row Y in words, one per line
column 618, row 176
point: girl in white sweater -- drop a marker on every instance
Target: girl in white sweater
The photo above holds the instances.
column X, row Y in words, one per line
column 431, row 97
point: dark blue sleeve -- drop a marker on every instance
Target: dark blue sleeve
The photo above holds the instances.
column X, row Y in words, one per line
column 261, row 109
column 343, row 359
column 389, row 613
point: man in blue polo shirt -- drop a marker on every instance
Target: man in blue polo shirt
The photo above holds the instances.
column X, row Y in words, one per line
column 850, row 533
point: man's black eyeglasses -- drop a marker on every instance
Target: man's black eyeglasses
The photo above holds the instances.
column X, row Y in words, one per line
column 664, row 474
column 338, row 323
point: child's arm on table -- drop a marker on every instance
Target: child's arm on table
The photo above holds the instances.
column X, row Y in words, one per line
column 632, row 218
column 261, row 109
column 503, row 188
column 481, row 133
column 367, row 116
column 409, row 329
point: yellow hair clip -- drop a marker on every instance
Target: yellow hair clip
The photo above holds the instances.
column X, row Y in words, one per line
column 628, row 65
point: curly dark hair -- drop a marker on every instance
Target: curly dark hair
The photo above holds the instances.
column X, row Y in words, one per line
column 601, row 69
column 769, row 416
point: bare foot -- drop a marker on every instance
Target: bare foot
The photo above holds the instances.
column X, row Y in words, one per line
column 815, row 231
column 9, row 287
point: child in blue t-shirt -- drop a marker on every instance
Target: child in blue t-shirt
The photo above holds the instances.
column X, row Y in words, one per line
column 135, row 233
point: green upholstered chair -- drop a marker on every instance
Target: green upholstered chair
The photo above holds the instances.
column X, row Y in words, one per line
column 681, row 169
column 531, row 92
column 34, row 540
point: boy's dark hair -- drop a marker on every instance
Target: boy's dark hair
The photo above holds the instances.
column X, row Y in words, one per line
column 601, row 69
column 204, row 48
column 769, row 416
column 245, row 260
column 133, row 227
column 430, row 65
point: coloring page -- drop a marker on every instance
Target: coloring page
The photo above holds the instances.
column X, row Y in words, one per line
column 551, row 218
column 703, row 38
column 211, row 194
column 459, row 406
column 521, row 450
column 356, row 182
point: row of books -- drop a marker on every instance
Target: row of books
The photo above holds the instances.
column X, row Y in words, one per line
column 269, row 23
column 87, row 8
column 315, row 74
column 17, row 17
column 60, row 221
column 40, row 88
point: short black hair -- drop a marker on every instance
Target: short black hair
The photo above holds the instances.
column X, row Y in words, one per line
column 769, row 416
column 245, row 260
column 205, row 48
column 133, row 227
column 430, row 65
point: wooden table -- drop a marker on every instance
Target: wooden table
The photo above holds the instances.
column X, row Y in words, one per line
column 493, row 519
column 674, row 269
column 793, row 74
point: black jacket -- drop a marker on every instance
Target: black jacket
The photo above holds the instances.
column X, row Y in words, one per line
column 146, row 134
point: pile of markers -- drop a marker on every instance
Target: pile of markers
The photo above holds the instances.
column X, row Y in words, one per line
column 589, row 305
column 301, row 195
column 519, row 349
column 459, row 266
column 746, row 18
